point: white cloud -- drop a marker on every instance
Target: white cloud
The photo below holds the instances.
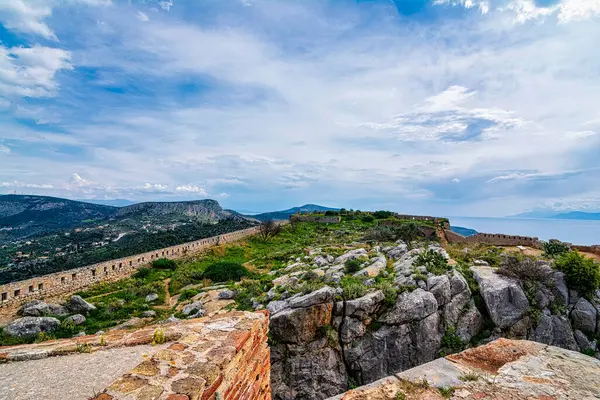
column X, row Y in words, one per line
column 77, row 181
column 155, row 186
column 4, row 149
column 28, row 16
column 23, row 185
column 166, row 4
column 224, row 195
column 31, row 71
column 484, row 6
column 190, row 189
column 143, row 16
column 456, row 180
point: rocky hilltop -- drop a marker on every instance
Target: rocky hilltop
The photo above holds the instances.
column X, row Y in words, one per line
column 321, row 345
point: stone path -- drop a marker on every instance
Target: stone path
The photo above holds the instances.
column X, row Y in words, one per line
column 71, row 377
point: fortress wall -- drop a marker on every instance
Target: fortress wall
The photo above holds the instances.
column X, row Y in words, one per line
column 595, row 249
column 69, row 281
column 493, row 239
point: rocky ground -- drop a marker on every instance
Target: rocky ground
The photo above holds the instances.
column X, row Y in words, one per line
column 349, row 315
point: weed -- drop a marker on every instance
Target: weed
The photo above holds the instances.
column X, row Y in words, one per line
column 400, row 396
column 589, row 352
column 446, row 392
column 158, row 337
column 451, row 341
column 84, row 348
column 353, row 287
column 469, row 377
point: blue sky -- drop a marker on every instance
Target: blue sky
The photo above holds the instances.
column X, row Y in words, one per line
column 445, row 107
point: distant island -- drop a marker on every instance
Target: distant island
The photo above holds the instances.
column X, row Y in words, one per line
column 577, row 215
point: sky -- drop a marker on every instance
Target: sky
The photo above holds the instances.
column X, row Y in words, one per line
column 435, row 107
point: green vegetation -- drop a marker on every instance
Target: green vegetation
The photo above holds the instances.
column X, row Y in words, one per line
column 225, row 271
column 446, row 392
column 400, row 396
column 554, row 248
column 469, row 377
column 582, row 274
column 589, row 352
column 353, row 287
column 353, row 265
column 451, row 342
column 466, row 254
column 164, row 263
column 389, row 291
column 435, row 262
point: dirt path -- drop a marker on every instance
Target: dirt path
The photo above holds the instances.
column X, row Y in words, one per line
column 168, row 298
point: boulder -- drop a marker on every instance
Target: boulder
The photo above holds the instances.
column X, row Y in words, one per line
column 191, row 308
column 458, row 283
column 503, row 296
column 131, row 323
column 411, row 306
column 226, row 294
column 324, row 295
column 560, row 287
column 563, row 333
column 470, row 323
column 34, row 308
column 277, row 305
column 439, row 286
column 351, row 329
column 583, row 342
column 57, row 309
column 300, row 325
column 151, row 297
column 397, row 251
column 351, row 255
column 453, row 310
column 320, row 261
column 79, row 305
column 543, row 332
column 149, row 314
column 378, row 265
column 363, row 307
column 32, row 326
column 77, row 319
column 583, row 316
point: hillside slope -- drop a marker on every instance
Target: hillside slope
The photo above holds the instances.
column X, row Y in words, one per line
column 285, row 214
column 23, row 216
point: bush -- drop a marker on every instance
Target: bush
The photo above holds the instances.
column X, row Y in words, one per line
column 451, row 341
column 353, row 265
column 188, row 294
column 554, row 248
column 408, row 232
column 164, row 263
column 389, row 292
column 367, row 218
column 524, row 269
column 142, row 273
column 382, row 214
column 353, row 288
column 582, row 274
column 435, row 262
column 225, row 271
column 380, row 234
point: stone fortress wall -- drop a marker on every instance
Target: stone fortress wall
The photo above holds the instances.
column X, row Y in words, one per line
column 494, row 239
column 68, row 281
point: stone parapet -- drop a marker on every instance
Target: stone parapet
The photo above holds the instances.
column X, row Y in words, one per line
column 220, row 357
column 493, row 239
column 64, row 282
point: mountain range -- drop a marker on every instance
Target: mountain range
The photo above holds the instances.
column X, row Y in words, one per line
column 551, row 214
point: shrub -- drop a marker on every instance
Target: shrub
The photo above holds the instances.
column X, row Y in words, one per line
column 382, row 214
column 554, row 248
column 188, row 294
column 353, row 288
column 582, row 274
column 389, row 292
column 142, row 273
column 408, row 232
column 225, row 271
column 451, row 341
column 435, row 262
column 164, row 263
column 367, row 218
column 353, row 265
column 525, row 269
column 380, row 234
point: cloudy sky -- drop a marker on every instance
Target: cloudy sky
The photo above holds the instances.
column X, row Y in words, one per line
column 444, row 107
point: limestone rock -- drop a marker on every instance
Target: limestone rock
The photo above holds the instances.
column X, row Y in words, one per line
column 458, row 283
column 563, row 334
column 378, row 265
column 149, row 314
column 560, row 287
column 277, row 305
column 583, row 316
column 151, row 297
column 191, row 308
column 504, row 298
column 351, row 255
column 363, row 307
column 300, row 325
column 77, row 319
column 583, row 342
column 351, row 329
column 324, row 295
column 439, row 286
column 470, row 323
column 453, row 310
column 398, row 251
column 226, row 294
column 543, row 332
column 320, row 261
column 413, row 306
column 57, row 309
column 79, row 305
column 32, row 326
column 34, row 308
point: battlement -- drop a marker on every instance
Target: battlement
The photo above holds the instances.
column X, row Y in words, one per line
column 494, row 239
column 65, row 282
column 221, row 357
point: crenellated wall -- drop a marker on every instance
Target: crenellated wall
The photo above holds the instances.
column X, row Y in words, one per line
column 493, row 239
column 595, row 249
column 69, row 281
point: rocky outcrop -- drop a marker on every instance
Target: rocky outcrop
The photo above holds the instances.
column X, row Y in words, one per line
column 79, row 305
column 32, row 326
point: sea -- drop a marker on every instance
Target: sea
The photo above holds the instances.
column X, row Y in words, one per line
column 567, row 230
